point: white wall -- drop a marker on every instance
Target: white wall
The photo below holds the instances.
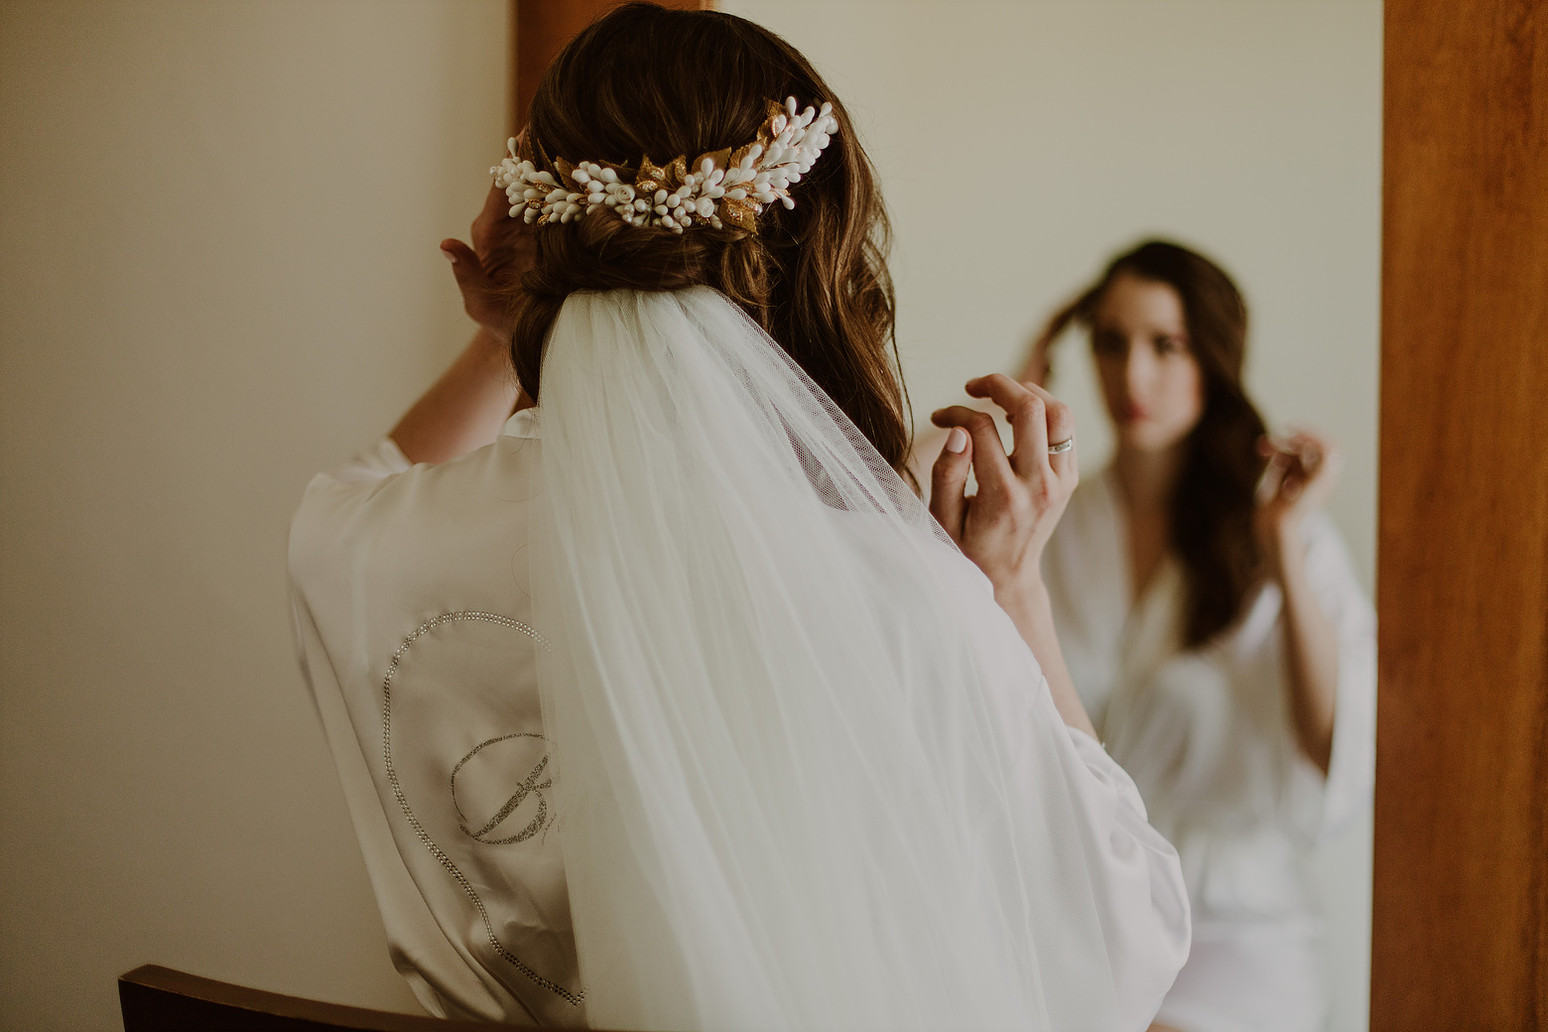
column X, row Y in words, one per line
column 220, row 273
column 1250, row 128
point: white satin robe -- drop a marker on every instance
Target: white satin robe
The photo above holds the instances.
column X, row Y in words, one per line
column 1207, row 736
column 414, row 619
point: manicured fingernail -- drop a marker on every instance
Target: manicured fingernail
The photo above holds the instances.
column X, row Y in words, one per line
column 956, row 441
column 449, row 256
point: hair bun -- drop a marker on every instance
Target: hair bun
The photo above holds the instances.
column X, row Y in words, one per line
column 606, row 254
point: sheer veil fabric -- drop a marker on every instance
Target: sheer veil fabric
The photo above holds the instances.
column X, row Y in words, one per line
column 808, row 774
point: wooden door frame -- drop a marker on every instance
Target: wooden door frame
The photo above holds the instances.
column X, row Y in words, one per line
column 1460, row 918
column 1460, row 921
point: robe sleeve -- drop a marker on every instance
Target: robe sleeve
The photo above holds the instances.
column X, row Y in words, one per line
column 331, row 510
column 1131, row 871
column 1146, row 919
column 383, row 459
column 1352, row 768
column 353, row 503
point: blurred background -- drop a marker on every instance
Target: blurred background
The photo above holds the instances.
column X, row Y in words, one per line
column 221, row 275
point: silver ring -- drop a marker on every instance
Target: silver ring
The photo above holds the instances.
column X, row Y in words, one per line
column 1063, row 446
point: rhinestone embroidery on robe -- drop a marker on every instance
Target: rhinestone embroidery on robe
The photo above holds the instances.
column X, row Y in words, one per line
column 531, row 785
column 574, row 998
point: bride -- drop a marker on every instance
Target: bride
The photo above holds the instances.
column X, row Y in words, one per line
column 664, row 702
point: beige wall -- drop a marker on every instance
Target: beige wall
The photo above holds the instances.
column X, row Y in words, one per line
column 220, row 273
column 1251, row 128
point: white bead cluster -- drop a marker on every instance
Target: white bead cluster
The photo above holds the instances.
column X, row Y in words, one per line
column 720, row 187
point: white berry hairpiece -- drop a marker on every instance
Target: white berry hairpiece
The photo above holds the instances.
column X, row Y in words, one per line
column 721, row 187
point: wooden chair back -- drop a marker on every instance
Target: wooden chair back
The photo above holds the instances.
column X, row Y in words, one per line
column 159, row 999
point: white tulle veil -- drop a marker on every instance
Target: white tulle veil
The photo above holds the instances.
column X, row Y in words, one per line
column 801, row 778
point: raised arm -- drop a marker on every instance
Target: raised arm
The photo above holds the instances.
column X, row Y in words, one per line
column 465, row 408
column 1300, row 477
column 1005, row 526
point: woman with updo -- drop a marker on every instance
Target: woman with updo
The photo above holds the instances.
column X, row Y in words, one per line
column 1215, row 631
column 659, row 699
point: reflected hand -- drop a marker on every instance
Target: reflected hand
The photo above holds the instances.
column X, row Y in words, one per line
column 1299, row 478
column 1004, row 527
column 489, row 272
column 1038, row 364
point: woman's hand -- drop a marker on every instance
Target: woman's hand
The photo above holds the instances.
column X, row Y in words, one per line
column 1038, row 364
column 1004, row 527
column 489, row 271
column 1299, row 478
column 468, row 405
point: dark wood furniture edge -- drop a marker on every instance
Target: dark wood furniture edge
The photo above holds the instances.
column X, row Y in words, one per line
column 200, row 996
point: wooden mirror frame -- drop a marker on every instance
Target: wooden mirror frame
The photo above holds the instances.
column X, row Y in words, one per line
column 1460, row 922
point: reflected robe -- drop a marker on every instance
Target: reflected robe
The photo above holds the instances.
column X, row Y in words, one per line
column 1208, row 737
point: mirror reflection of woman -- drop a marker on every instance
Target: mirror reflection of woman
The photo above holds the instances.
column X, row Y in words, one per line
column 1215, row 631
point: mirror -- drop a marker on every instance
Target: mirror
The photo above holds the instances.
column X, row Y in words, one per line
column 1021, row 145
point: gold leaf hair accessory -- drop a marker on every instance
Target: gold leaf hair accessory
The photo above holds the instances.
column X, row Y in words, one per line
column 720, row 188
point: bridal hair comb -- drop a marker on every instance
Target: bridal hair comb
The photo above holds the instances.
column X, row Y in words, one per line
column 720, row 188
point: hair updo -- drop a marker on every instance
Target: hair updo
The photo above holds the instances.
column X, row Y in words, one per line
column 644, row 81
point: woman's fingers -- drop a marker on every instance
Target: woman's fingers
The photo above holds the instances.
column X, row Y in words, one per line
column 990, row 465
column 493, row 217
column 479, row 298
column 505, row 244
column 1027, row 415
column 1268, row 484
column 1005, row 526
column 948, row 482
column 1061, row 429
column 1038, row 420
column 466, row 266
column 502, row 251
column 1301, row 468
column 1028, row 418
column 1320, row 477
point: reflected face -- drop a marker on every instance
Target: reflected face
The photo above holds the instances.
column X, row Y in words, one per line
column 1150, row 380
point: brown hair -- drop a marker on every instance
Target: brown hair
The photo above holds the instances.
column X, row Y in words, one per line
column 1213, row 503
column 644, row 81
